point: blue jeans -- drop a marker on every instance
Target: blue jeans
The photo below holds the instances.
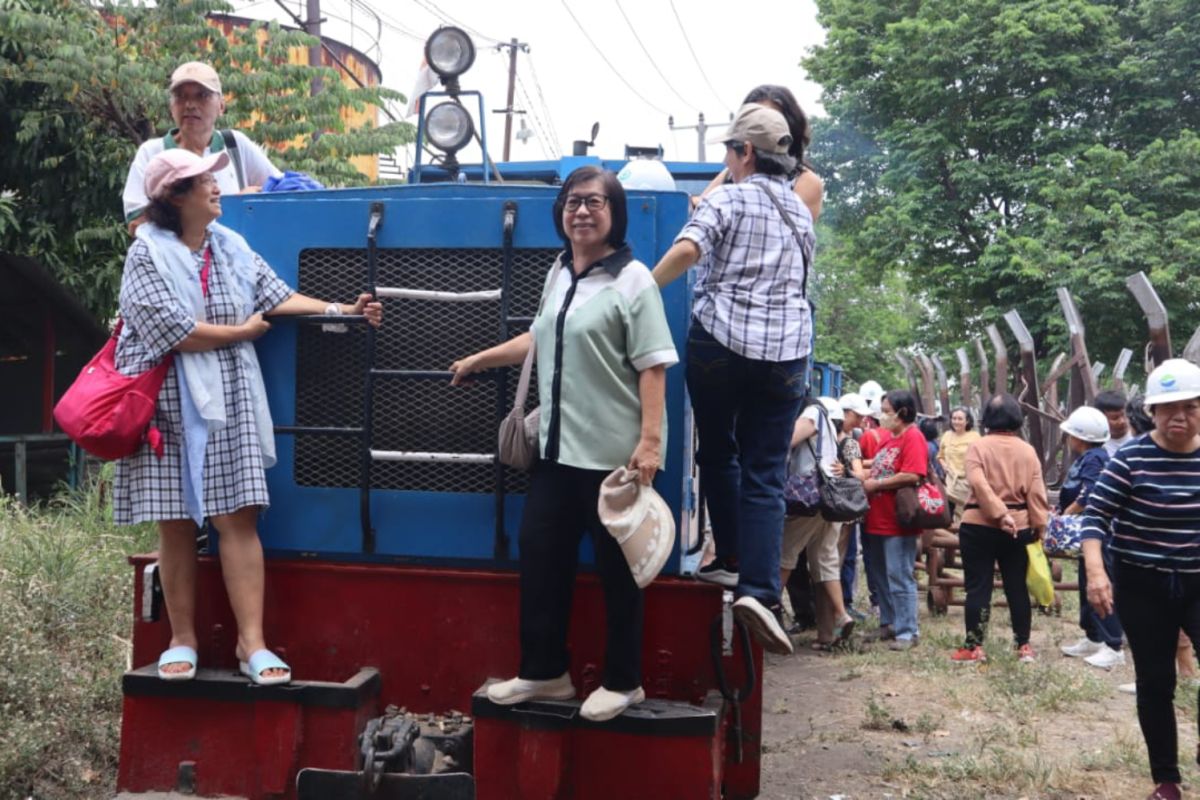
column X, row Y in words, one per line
column 1099, row 629
column 744, row 411
column 892, row 576
column 850, row 565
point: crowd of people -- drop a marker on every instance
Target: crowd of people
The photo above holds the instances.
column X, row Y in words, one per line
column 194, row 288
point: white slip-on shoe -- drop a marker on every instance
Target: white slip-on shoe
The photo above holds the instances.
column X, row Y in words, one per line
column 605, row 704
column 518, row 690
column 1082, row 649
column 1106, row 658
column 763, row 625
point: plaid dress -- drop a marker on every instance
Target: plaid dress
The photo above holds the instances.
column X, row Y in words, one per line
column 146, row 487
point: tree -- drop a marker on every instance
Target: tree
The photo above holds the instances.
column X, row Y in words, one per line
column 82, row 85
column 990, row 151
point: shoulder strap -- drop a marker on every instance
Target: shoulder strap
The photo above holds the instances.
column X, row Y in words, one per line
column 527, row 367
column 235, row 156
column 795, row 231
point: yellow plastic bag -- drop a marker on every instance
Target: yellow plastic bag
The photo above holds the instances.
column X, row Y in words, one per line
column 1037, row 576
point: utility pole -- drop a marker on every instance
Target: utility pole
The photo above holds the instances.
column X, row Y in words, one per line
column 513, row 46
column 701, row 128
column 313, row 27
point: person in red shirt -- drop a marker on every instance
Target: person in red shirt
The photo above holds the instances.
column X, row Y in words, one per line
column 891, row 552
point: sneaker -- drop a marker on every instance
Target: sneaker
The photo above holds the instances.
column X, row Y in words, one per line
column 605, row 704
column 856, row 614
column 1082, row 648
column 518, row 690
column 1165, row 791
column 1127, row 688
column 1107, row 658
column 764, row 625
column 720, row 572
column 969, row 655
column 1025, row 654
column 900, row 645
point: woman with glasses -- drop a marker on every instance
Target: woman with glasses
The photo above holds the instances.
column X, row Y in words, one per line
column 603, row 347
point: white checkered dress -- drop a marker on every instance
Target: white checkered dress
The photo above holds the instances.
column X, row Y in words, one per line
column 149, row 488
column 749, row 291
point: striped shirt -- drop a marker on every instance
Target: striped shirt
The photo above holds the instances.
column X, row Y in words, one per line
column 750, row 282
column 1146, row 504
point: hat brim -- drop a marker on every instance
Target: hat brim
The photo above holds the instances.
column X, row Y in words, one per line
column 1169, row 397
column 209, row 163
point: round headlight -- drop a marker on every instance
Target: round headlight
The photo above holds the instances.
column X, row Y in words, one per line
column 449, row 52
column 449, row 127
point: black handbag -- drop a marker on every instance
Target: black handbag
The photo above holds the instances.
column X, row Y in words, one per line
column 843, row 499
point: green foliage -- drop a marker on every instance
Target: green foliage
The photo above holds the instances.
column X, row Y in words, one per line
column 991, row 151
column 66, row 590
column 83, row 84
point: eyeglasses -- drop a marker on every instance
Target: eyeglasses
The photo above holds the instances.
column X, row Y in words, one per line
column 737, row 147
column 594, row 202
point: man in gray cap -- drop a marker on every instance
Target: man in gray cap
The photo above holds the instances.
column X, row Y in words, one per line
column 750, row 335
column 196, row 103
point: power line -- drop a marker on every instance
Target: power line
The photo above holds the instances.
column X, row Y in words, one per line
column 649, row 57
column 604, row 58
column 537, row 85
column 433, row 8
column 387, row 20
column 695, row 58
column 539, row 124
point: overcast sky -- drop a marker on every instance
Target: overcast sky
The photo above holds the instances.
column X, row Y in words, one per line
column 565, row 84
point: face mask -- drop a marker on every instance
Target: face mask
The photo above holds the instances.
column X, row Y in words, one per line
column 887, row 419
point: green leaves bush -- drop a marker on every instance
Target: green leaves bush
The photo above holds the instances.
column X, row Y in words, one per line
column 66, row 591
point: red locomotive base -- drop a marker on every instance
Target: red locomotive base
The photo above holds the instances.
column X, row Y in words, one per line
column 361, row 638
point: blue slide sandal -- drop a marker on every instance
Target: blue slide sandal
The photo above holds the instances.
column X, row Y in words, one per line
column 178, row 655
column 260, row 661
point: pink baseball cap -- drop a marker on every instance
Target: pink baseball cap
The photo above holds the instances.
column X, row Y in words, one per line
column 171, row 166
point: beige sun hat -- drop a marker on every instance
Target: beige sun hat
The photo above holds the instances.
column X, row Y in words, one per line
column 641, row 522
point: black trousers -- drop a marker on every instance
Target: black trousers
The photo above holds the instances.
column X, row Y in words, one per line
column 983, row 548
column 1153, row 607
column 560, row 506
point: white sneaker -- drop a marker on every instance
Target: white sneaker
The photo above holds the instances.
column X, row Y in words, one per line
column 1107, row 658
column 518, row 690
column 1083, row 648
column 1127, row 688
column 605, row 704
column 763, row 625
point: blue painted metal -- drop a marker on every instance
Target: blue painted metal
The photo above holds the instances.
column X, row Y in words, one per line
column 305, row 520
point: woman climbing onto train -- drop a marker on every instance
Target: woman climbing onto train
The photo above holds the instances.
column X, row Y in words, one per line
column 194, row 288
column 603, row 347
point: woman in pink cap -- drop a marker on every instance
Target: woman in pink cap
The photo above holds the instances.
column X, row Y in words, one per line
column 194, row 288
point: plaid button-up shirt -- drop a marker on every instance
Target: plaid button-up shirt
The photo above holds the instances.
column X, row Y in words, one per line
column 750, row 282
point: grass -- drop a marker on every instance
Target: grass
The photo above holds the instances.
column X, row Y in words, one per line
column 66, row 595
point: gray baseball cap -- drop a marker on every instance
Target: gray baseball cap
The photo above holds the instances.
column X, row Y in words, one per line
column 763, row 127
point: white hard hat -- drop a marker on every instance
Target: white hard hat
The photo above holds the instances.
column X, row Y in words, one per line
column 1086, row 423
column 872, row 392
column 852, row 401
column 643, row 173
column 832, row 408
column 1171, row 381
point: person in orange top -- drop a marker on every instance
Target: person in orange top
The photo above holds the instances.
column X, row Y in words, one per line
column 1007, row 509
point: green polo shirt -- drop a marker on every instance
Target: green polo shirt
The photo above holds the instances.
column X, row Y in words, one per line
column 595, row 332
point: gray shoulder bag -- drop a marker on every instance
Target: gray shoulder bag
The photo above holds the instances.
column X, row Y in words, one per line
column 517, row 445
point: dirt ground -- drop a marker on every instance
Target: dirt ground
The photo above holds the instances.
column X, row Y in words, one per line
column 871, row 723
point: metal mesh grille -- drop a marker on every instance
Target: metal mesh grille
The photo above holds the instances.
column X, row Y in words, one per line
column 415, row 415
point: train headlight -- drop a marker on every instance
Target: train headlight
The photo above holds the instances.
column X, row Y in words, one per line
column 449, row 52
column 449, row 127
